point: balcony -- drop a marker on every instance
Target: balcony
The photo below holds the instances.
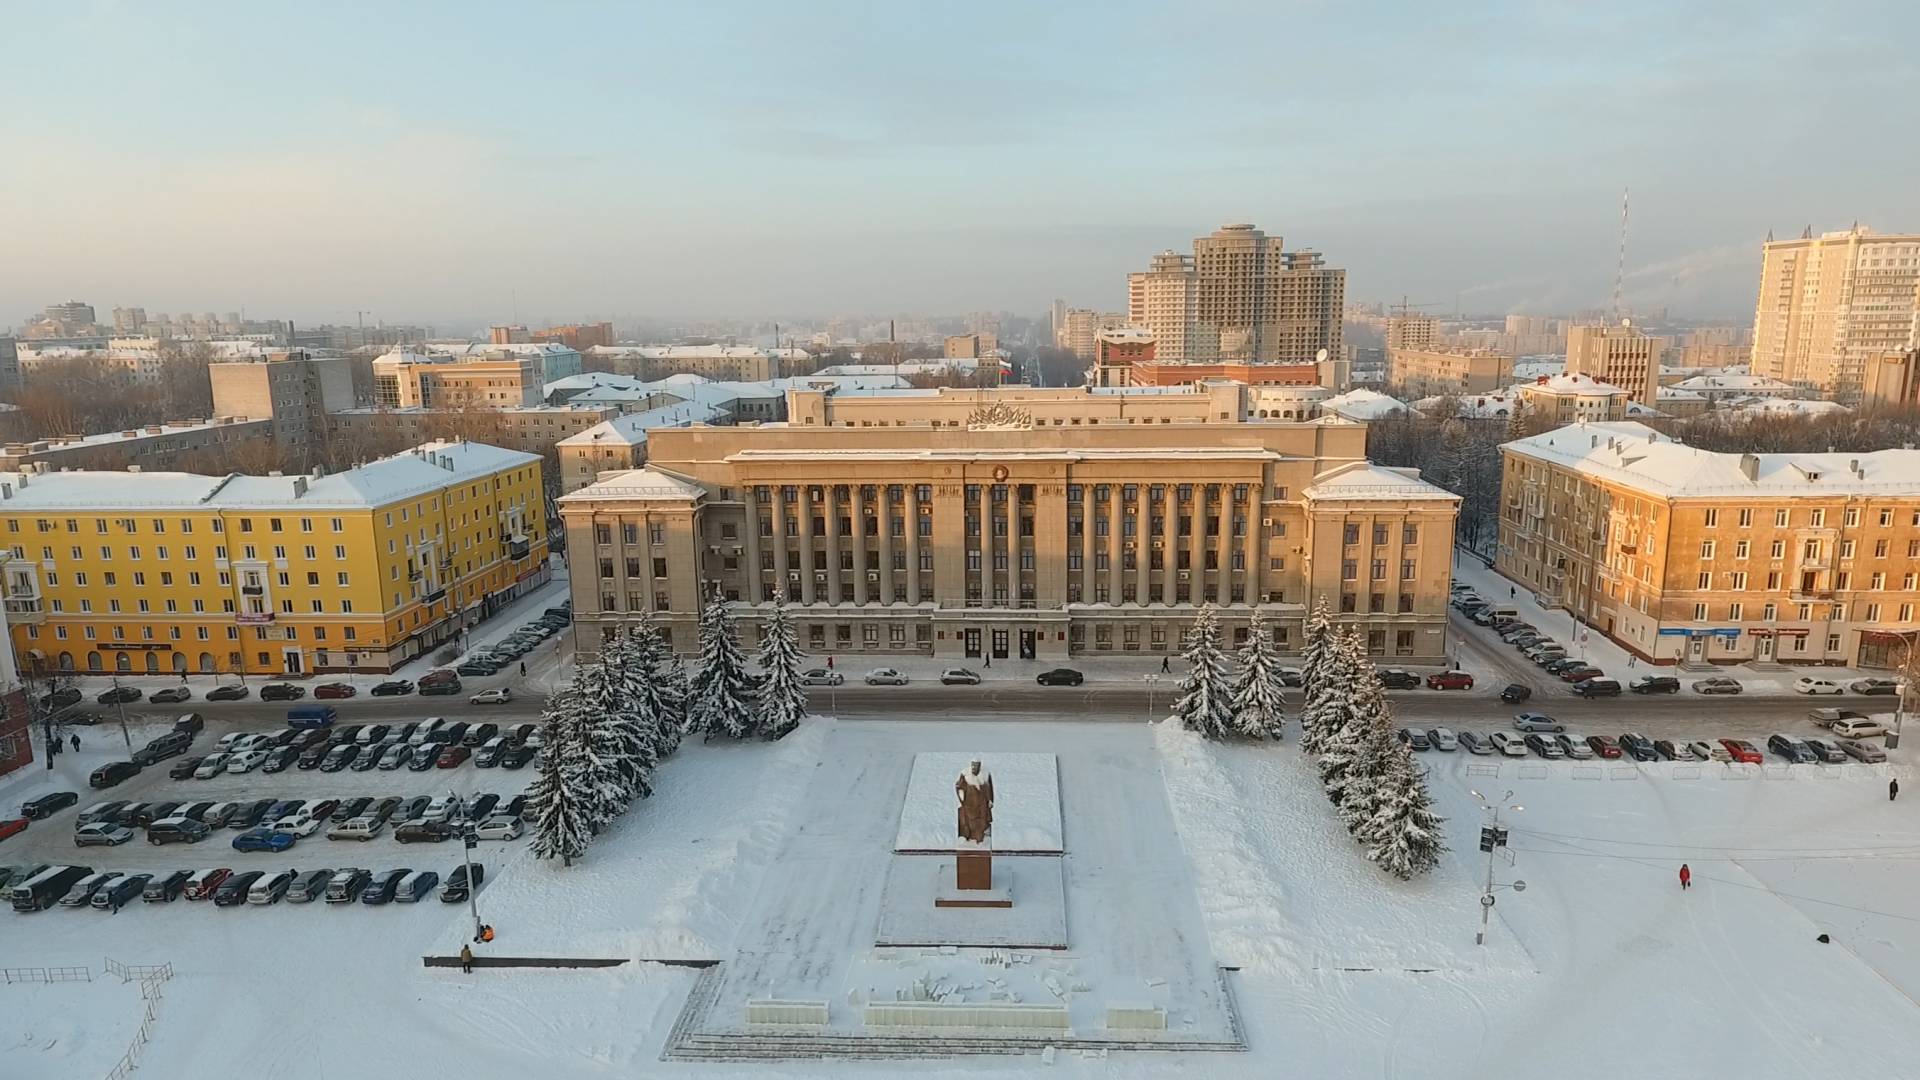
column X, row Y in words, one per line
column 253, row 618
column 253, row 590
column 1808, row 595
column 519, row 547
column 31, row 610
column 434, row 597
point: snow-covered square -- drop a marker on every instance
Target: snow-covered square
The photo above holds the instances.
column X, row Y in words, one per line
column 1026, row 802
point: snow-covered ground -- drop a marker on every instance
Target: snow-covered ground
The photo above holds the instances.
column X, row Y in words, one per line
column 1026, row 802
column 1180, row 853
column 67, row 1029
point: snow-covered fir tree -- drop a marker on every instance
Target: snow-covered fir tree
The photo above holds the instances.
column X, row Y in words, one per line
column 1379, row 746
column 1205, row 693
column 1406, row 836
column 1338, row 715
column 1318, row 647
column 1257, row 710
column 562, row 826
column 629, row 667
column 604, row 749
column 676, row 692
column 782, row 700
column 721, row 702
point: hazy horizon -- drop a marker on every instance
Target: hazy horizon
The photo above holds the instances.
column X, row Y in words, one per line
column 433, row 163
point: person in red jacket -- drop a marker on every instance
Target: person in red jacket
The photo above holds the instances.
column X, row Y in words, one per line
column 1686, row 877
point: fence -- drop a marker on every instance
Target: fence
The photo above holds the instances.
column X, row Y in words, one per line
column 45, row 974
column 152, row 977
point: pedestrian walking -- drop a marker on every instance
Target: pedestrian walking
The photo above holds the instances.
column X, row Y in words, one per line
column 1631, row 658
column 1165, row 666
column 1893, row 789
column 989, row 662
column 523, row 669
column 466, row 959
column 76, row 740
column 1512, row 592
column 1686, row 877
column 829, row 663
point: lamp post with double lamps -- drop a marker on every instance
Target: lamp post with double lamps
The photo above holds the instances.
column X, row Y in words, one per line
column 1493, row 836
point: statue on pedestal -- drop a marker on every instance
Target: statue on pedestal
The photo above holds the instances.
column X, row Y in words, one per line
column 973, row 791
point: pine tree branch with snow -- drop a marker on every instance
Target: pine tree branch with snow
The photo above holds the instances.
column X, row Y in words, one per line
column 721, row 695
column 1338, row 715
column 1407, row 837
column 562, row 828
column 1318, row 646
column 782, row 700
column 1257, row 709
column 1205, row 696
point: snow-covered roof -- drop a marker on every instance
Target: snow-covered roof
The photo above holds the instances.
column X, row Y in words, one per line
column 1783, row 406
column 1493, row 405
column 1642, row 458
column 1737, row 384
column 1570, row 383
column 1675, row 393
column 697, row 352
column 428, row 467
column 1363, row 404
column 1637, row 411
column 646, row 482
column 1365, row 480
column 958, row 367
column 632, row 428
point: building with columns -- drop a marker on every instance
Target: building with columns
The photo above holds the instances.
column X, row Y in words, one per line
column 1014, row 539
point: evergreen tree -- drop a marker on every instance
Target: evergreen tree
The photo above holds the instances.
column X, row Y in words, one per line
column 633, row 671
column 1258, row 711
column 1339, row 714
column 1406, row 837
column 1205, row 699
column 1318, row 648
column 1379, row 747
column 782, row 702
column 721, row 701
column 604, row 748
column 675, row 695
column 559, row 794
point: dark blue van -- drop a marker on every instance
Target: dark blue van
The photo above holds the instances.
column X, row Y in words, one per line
column 311, row 716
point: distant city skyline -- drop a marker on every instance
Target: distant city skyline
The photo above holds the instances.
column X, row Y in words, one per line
column 272, row 160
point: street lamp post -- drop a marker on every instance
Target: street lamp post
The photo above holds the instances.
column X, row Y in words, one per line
column 468, row 839
column 1492, row 838
column 120, row 708
column 1153, row 683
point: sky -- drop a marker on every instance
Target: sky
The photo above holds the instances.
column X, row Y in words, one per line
column 490, row 162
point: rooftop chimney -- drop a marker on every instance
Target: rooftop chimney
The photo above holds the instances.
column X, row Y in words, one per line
column 1750, row 467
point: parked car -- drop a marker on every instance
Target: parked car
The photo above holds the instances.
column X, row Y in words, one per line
column 473, row 668
column 380, row 889
column 1859, row 729
column 499, row 695
column 500, row 828
column 517, row 757
column 415, row 887
column 280, row 691
column 350, row 809
column 340, row 757
column 1874, row 686
column 345, row 885
column 229, row 693
column 1792, row 749
column 300, row 824
column 204, row 883
column 1443, row 739
column 1450, row 680
column 1475, row 744
column 393, row 688
column 262, row 839
column 368, row 758
column 478, row 734
column 120, row 695
column 165, row 888
column 1533, row 721
column 452, row 757
column 269, row 890
column 458, row 883
column 1860, row 751
column 1515, row 693
column 104, row 811
column 246, row 761
column 886, row 676
column 1702, row 751
column 120, row 892
column 1827, row 717
column 13, row 827
column 333, row 690
column 233, row 891
column 309, row 886
column 1593, row 688
column 101, row 834
column 1807, row 684
column 113, row 772
column 425, row 756
column 1827, row 752
column 48, row 805
column 1579, row 673
column 1655, row 684
column 177, row 830
column 413, row 808
column 821, row 677
column 1638, row 746
column 1718, row 684
column 1742, row 751
column 1606, row 746
column 359, row 828
column 1508, row 744
column 1399, row 679
column 247, row 815
column 1575, row 747
column 170, row 695
column 392, row 757
column 1544, row 746
column 1415, row 740
column 1668, row 750
column 81, row 894
column 429, row 689
column 959, row 677
column 60, row 699
column 1060, row 677
column 479, row 808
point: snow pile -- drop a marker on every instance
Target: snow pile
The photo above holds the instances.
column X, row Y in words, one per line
column 669, row 879
column 1026, row 802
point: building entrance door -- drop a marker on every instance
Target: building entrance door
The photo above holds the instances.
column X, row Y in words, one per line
column 972, row 640
column 1696, row 648
column 294, row 664
column 1027, row 649
column 1763, row 648
column 999, row 644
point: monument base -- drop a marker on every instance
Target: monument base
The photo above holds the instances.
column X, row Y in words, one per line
column 912, row 911
column 973, row 869
column 968, row 883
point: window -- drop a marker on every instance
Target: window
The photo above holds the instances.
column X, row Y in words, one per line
column 1352, row 534
column 1746, row 517
column 1706, row 549
column 1699, row 613
column 1734, row 611
column 1713, row 518
column 1349, row 569
column 1704, row 581
column 1737, row 580
column 1886, row 518
column 1819, row 518
column 1846, row 549
column 1780, row 519
column 1778, row 550
column 1851, row 517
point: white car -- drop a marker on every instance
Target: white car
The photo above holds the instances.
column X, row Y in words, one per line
column 499, row 695
column 1443, row 739
column 1859, row 729
column 427, row 727
column 500, row 828
column 1701, row 751
column 211, row 766
column 1509, row 744
column 886, row 676
column 441, row 809
column 1810, row 685
column 360, row 828
column 246, row 761
column 298, row 825
column 821, row 677
column 1540, row 722
column 1575, row 747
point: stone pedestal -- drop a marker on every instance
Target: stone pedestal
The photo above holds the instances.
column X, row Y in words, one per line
column 972, row 884
column 973, row 870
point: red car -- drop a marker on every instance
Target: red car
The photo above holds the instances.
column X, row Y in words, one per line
column 1450, row 680
column 1605, row 745
column 1580, row 674
column 11, row 826
column 453, row 755
column 1742, row 751
column 334, row 690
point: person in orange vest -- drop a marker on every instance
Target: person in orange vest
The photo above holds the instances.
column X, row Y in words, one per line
column 1686, row 877
column 486, row 933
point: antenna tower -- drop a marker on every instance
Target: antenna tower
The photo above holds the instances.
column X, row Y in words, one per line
column 1620, row 267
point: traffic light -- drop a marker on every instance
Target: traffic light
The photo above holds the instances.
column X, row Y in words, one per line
column 1486, row 838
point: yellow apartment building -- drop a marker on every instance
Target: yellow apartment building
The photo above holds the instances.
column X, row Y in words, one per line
column 1691, row 556
column 168, row 572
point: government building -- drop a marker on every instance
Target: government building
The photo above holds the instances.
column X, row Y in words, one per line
column 171, row 572
column 1066, row 526
column 1690, row 556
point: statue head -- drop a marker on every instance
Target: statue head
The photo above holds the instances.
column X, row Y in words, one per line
column 974, row 768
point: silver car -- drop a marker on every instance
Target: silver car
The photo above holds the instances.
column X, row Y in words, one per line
column 1541, row 722
column 821, row 677
column 1575, row 747
column 1860, row 751
column 886, row 676
column 1474, row 744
